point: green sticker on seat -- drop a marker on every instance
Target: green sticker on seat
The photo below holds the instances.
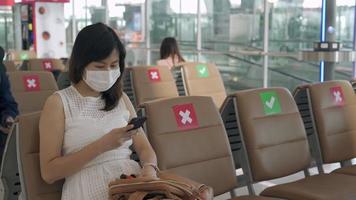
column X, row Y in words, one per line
column 202, row 70
column 271, row 104
column 24, row 56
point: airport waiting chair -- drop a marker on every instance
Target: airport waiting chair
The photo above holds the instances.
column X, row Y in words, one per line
column 10, row 180
column 45, row 65
column 353, row 83
column 31, row 89
column 128, row 85
column 332, row 113
column 63, row 80
column 10, row 66
column 21, row 55
column 189, row 139
column 143, row 84
column 200, row 79
column 33, row 186
column 275, row 145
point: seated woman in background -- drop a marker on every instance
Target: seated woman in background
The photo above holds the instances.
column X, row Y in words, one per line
column 84, row 136
column 169, row 52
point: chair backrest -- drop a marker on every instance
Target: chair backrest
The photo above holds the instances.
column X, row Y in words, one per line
column 63, row 80
column 189, row 139
column 272, row 132
column 10, row 65
column 9, row 172
column 45, row 65
column 202, row 79
column 128, row 85
column 353, row 83
column 31, row 89
column 21, row 55
column 32, row 184
column 150, row 83
column 334, row 109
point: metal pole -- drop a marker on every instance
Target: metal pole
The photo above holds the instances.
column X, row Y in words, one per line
column 199, row 31
column 74, row 24
column 6, row 33
column 147, row 29
column 265, row 44
column 86, row 12
column 330, row 35
column 16, row 9
column 354, row 44
column 105, row 4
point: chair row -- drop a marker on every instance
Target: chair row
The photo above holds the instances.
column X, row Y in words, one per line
column 21, row 55
column 24, row 140
column 49, row 64
column 273, row 141
column 144, row 83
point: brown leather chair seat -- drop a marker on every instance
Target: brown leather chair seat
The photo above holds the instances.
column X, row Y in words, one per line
column 182, row 130
column 48, row 64
column 254, row 198
column 332, row 105
column 202, row 79
column 319, row 187
column 350, row 170
column 276, row 146
column 22, row 55
column 31, row 89
column 150, row 83
column 10, row 65
column 33, row 186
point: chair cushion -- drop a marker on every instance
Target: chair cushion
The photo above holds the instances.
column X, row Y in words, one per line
column 325, row 187
column 351, row 170
column 253, row 198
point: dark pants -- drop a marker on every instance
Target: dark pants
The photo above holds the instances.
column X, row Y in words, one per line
column 3, row 138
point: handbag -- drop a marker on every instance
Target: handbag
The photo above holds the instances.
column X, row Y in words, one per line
column 165, row 186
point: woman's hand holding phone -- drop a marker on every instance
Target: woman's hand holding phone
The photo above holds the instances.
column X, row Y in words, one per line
column 116, row 137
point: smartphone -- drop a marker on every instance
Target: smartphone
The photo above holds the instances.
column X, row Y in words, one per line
column 137, row 122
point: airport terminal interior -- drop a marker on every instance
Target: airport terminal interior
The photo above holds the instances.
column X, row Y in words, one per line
column 254, row 99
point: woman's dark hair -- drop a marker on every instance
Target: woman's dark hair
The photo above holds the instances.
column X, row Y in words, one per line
column 2, row 54
column 169, row 47
column 95, row 43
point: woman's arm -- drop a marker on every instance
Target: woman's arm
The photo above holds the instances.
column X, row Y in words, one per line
column 141, row 144
column 55, row 166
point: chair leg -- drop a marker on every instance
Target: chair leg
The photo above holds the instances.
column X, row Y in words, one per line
column 346, row 163
column 233, row 193
column 250, row 188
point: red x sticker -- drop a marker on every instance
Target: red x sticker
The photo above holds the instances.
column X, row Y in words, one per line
column 47, row 65
column 153, row 74
column 337, row 95
column 185, row 116
column 31, row 83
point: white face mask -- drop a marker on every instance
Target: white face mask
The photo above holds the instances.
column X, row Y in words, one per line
column 101, row 81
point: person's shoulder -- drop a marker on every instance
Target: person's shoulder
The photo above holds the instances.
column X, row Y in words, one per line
column 162, row 62
column 54, row 101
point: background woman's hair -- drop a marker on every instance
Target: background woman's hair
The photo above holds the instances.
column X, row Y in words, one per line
column 169, row 48
column 95, row 43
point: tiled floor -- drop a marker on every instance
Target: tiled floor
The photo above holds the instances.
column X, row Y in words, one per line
column 262, row 185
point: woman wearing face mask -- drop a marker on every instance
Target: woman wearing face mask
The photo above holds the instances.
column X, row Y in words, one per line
column 84, row 136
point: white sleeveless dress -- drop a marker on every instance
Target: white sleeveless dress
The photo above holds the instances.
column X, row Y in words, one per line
column 85, row 122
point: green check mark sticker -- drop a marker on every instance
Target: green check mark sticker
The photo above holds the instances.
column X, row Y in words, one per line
column 202, row 70
column 24, row 56
column 270, row 101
